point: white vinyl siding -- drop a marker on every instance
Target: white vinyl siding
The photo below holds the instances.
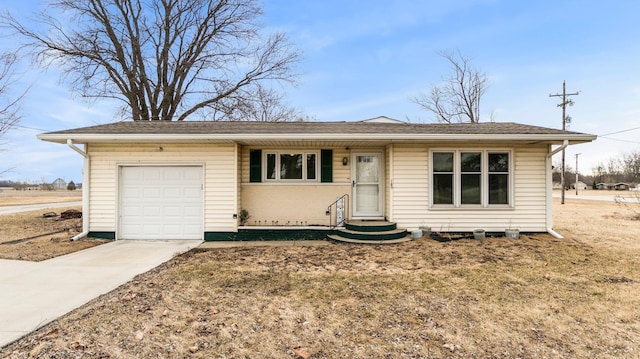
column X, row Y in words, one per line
column 220, row 179
column 410, row 202
column 410, row 186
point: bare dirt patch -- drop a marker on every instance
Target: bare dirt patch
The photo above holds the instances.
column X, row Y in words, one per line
column 530, row 298
column 31, row 236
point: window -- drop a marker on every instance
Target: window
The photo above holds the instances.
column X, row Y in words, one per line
column 498, row 178
column 443, row 178
column 291, row 166
column 471, row 178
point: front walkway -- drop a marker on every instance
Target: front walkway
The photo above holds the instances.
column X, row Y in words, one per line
column 33, row 294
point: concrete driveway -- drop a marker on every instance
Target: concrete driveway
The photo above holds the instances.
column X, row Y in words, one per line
column 33, row 294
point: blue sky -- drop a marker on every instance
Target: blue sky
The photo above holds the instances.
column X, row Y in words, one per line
column 366, row 59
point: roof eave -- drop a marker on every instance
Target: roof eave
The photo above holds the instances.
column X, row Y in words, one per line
column 233, row 138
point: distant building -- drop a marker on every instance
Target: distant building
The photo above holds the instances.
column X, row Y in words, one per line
column 621, row 186
column 604, row 186
column 579, row 185
column 59, row 184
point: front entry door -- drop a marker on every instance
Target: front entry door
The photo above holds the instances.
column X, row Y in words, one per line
column 367, row 184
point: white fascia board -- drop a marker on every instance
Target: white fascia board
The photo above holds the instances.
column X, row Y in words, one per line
column 231, row 138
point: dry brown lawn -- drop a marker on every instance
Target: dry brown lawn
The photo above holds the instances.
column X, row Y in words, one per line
column 30, row 236
column 537, row 297
column 11, row 197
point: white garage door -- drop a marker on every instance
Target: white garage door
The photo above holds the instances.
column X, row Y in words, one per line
column 161, row 202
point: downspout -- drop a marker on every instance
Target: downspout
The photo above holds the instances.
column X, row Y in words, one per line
column 85, row 191
column 550, row 230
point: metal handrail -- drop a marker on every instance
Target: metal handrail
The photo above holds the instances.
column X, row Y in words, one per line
column 334, row 214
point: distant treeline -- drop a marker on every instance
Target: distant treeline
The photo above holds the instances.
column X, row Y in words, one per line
column 29, row 186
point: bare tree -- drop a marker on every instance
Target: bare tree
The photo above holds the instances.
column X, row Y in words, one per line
column 9, row 105
column 267, row 106
column 457, row 99
column 164, row 59
column 632, row 166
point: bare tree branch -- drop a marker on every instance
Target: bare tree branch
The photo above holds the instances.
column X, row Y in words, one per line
column 164, row 59
column 9, row 107
column 458, row 98
column 9, row 104
column 266, row 106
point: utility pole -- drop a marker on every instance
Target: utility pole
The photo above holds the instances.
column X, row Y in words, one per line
column 565, row 120
column 576, row 185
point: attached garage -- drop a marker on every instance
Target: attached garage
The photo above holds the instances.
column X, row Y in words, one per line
column 160, row 202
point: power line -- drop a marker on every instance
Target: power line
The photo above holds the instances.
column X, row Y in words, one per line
column 620, row 140
column 621, row 131
column 31, row 128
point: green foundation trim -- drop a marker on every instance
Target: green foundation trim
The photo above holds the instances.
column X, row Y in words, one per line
column 102, row 235
column 269, row 235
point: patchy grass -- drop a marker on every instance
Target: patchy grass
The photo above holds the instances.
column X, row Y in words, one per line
column 530, row 298
column 30, row 236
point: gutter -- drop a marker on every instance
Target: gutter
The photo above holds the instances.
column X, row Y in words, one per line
column 549, row 221
column 85, row 191
column 244, row 137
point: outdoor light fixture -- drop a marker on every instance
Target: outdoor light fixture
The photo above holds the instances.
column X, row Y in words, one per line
column 345, row 160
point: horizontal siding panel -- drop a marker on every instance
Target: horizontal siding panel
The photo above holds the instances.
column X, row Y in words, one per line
column 410, row 185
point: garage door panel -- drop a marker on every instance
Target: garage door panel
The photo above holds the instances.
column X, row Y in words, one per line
column 152, row 173
column 192, row 211
column 161, row 202
column 172, row 211
column 192, row 172
column 190, row 193
column 152, row 211
column 172, row 193
column 151, row 231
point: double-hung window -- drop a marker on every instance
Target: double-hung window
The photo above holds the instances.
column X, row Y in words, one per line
column 291, row 166
column 471, row 178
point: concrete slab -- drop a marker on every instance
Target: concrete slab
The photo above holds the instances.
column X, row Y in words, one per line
column 33, row 294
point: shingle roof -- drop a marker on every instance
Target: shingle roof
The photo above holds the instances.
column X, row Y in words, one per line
column 223, row 127
column 304, row 130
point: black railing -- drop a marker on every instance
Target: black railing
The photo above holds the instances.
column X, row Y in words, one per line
column 338, row 211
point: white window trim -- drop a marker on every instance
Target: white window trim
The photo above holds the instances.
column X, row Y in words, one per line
column 484, row 179
column 277, row 153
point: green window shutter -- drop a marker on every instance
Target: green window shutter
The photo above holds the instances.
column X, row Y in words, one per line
column 255, row 165
column 326, row 165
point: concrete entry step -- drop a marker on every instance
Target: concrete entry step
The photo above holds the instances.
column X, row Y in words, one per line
column 338, row 238
column 370, row 226
column 379, row 235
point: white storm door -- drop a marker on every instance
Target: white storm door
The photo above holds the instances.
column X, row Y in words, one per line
column 367, row 184
column 158, row 202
